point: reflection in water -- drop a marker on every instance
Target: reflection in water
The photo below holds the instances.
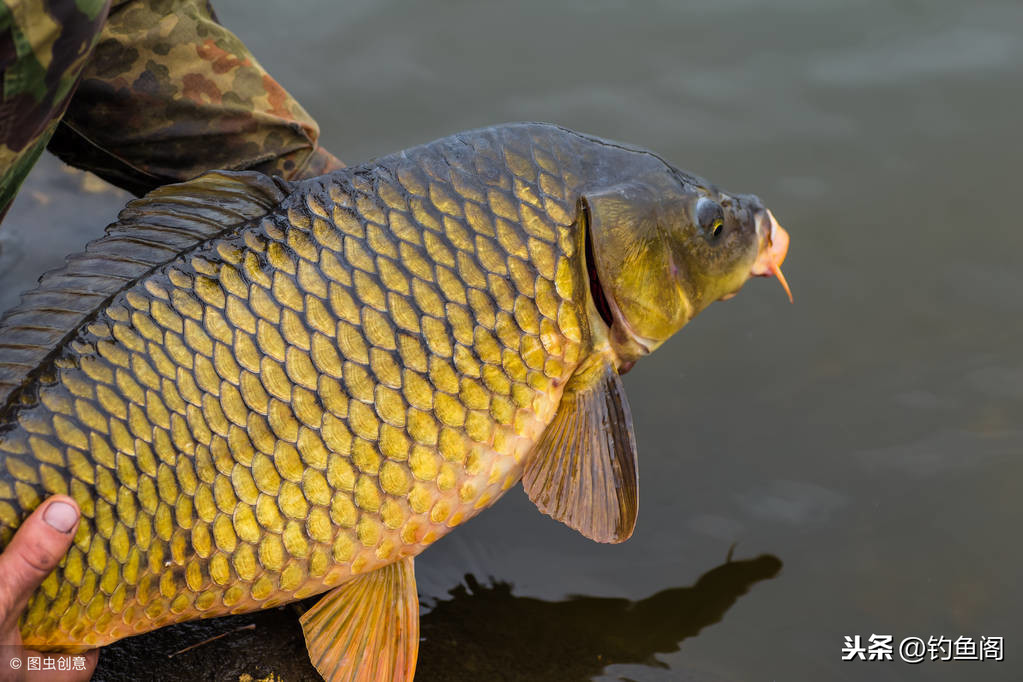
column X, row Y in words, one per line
column 485, row 632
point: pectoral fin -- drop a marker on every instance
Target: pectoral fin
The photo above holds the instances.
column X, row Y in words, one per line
column 368, row 628
column 584, row 471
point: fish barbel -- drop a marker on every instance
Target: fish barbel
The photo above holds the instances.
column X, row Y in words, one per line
column 257, row 391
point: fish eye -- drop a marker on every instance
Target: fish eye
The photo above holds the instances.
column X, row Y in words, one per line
column 710, row 217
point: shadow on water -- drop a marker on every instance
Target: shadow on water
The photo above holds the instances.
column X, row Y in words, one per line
column 482, row 631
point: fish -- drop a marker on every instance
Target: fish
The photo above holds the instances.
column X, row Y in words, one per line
column 259, row 390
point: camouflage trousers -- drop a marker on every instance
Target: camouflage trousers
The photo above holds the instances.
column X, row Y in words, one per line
column 142, row 93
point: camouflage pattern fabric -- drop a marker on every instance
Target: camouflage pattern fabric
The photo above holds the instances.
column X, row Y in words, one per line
column 164, row 92
column 43, row 48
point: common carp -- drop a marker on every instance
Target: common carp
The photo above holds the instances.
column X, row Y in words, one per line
column 258, row 391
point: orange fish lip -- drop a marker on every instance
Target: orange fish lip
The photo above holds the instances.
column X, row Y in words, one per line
column 774, row 246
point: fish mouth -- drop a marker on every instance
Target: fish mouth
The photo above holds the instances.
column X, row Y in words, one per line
column 774, row 246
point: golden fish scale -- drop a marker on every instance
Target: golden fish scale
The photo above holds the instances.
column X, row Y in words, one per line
column 306, row 399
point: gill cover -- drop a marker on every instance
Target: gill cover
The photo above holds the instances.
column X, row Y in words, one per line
column 635, row 266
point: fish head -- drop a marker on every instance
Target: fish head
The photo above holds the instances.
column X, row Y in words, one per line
column 664, row 246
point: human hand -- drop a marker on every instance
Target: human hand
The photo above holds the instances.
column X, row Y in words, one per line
column 32, row 554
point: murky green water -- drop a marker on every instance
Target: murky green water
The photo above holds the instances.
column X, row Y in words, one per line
column 869, row 437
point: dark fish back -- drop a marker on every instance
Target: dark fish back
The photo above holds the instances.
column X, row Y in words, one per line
column 149, row 232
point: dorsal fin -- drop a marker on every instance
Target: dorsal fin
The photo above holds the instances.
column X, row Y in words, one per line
column 149, row 232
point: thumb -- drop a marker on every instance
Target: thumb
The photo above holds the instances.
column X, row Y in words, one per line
column 34, row 551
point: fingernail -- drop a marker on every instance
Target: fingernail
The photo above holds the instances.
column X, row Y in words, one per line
column 61, row 516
